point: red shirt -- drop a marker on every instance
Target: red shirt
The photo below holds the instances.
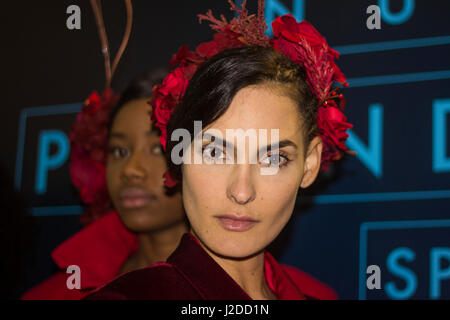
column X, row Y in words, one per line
column 100, row 249
column 191, row 273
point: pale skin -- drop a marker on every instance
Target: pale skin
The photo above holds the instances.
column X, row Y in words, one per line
column 210, row 190
column 136, row 161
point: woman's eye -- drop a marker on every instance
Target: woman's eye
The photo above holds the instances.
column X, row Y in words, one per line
column 274, row 159
column 118, row 152
column 213, row 153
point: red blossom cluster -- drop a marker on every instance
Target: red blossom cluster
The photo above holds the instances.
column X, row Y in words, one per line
column 88, row 140
column 304, row 45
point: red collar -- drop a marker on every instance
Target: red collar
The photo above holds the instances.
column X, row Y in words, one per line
column 279, row 281
column 100, row 249
column 203, row 271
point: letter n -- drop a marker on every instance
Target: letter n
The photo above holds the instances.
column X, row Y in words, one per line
column 372, row 154
column 441, row 162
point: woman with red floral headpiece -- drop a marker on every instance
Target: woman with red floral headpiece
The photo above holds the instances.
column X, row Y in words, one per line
column 238, row 199
column 131, row 219
column 117, row 164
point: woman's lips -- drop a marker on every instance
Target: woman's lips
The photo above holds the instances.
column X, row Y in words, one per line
column 236, row 223
column 134, row 198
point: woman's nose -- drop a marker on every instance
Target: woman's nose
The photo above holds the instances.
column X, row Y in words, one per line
column 241, row 188
column 134, row 169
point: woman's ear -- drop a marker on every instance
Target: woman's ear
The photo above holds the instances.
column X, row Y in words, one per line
column 312, row 162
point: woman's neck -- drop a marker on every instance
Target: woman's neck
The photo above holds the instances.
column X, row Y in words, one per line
column 248, row 273
column 155, row 246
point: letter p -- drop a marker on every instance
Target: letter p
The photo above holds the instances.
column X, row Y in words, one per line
column 47, row 161
column 436, row 273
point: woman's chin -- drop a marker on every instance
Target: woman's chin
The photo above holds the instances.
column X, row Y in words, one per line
column 138, row 220
column 235, row 248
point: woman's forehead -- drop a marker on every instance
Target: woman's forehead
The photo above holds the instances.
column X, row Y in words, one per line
column 261, row 107
column 133, row 113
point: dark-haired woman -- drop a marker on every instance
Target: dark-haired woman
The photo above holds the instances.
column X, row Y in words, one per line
column 238, row 204
column 146, row 223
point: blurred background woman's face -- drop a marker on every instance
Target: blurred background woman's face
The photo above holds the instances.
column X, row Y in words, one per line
column 216, row 196
column 134, row 172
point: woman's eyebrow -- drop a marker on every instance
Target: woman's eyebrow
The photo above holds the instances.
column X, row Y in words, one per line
column 281, row 144
column 117, row 135
column 216, row 140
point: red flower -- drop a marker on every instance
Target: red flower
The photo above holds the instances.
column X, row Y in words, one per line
column 228, row 39
column 207, row 49
column 89, row 132
column 303, row 44
column 332, row 129
column 88, row 176
column 92, row 104
column 223, row 40
column 175, row 83
column 287, row 27
column 169, row 181
column 88, row 139
column 183, row 57
column 166, row 97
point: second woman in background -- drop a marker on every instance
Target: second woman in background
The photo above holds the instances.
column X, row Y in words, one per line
column 146, row 222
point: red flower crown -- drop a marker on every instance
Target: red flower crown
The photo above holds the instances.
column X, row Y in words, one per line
column 300, row 42
column 89, row 141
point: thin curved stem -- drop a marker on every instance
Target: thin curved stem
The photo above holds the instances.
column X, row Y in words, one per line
column 97, row 8
column 126, row 36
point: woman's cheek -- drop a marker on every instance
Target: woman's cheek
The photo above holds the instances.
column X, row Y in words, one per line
column 278, row 196
column 206, row 178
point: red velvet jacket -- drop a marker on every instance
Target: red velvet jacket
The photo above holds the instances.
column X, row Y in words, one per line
column 100, row 249
column 190, row 273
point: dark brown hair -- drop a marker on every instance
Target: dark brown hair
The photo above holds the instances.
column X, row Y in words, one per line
column 140, row 87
